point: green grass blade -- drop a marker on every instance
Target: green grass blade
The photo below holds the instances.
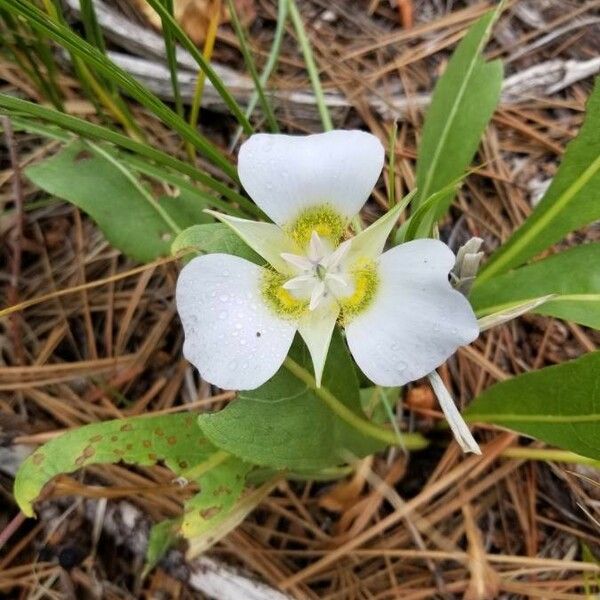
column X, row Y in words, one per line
column 264, row 100
column 171, row 50
column 570, row 202
column 205, row 67
column 282, row 13
column 311, row 66
column 16, row 106
column 94, row 58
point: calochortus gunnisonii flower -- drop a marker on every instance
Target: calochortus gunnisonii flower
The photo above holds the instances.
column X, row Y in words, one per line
column 401, row 316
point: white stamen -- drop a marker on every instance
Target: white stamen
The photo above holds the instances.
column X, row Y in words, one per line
column 298, row 283
column 337, row 278
column 319, row 270
column 300, row 262
column 317, row 295
column 316, row 249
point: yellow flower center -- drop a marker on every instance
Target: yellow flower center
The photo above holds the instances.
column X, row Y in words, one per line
column 323, row 220
column 366, row 281
column 279, row 299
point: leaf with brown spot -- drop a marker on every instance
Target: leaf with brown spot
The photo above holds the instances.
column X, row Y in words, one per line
column 220, row 488
column 173, row 439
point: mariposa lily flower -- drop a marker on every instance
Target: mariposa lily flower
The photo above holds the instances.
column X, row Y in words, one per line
column 401, row 316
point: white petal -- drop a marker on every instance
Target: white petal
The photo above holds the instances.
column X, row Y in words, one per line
column 299, row 283
column 416, row 320
column 337, row 256
column 317, row 295
column 231, row 336
column 316, row 329
column 316, row 248
column 300, row 262
column 339, row 279
column 457, row 424
column 285, row 174
column 265, row 239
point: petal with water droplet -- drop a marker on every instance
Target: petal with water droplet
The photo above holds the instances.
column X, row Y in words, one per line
column 250, row 332
column 416, row 320
column 285, row 174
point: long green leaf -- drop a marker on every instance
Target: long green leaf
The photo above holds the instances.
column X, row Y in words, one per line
column 463, row 102
column 572, row 200
column 93, row 57
column 139, row 440
column 559, row 405
column 132, row 220
column 572, row 276
column 17, row 106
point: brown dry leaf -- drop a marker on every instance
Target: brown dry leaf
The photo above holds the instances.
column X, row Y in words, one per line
column 194, row 15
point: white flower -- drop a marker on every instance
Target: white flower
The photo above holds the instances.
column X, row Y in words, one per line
column 401, row 315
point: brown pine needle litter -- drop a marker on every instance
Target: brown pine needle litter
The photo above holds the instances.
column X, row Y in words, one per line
column 86, row 336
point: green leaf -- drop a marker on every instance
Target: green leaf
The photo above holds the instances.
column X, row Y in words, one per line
column 572, row 200
column 569, row 275
column 220, row 488
column 421, row 221
column 283, row 424
column 162, row 537
column 463, row 102
column 130, row 222
column 211, row 238
column 378, row 403
column 559, row 405
column 174, row 439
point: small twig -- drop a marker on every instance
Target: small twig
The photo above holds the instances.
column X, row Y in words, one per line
column 15, row 242
column 11, row 528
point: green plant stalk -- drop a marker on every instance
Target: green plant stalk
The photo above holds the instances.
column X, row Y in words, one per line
column 249, row 61
column 16, row 106
column 205, row 67
column 170, row 48
column 410, row 441
column 92, row 56
column 193, row 473
column 311, row 66
column 282, row 11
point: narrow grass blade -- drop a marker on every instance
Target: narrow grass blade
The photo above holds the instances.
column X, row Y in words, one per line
column 94, row 58
column 311, row 66
column 264, row 100
column 185, row 41
column 282, row 12
column 16, row 106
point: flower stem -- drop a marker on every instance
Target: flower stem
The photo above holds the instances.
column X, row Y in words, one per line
column 410, row 441
column 549, row 454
